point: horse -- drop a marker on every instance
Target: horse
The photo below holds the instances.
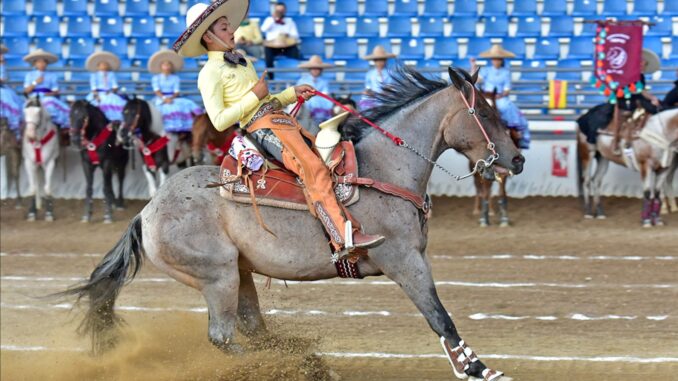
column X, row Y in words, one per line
column 214, row 245
column 100, row 146
column 10, row 148
column 205, row 135
column 139, row 125
column 40, row 149
column 652, row 160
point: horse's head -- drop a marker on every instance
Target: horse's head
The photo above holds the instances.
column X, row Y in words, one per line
column 80, row 119
column 136, row 115
column 477, row 131
column 37, row 119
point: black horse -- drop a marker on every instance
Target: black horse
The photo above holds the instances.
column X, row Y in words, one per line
column 100, row 146
column 137, row 126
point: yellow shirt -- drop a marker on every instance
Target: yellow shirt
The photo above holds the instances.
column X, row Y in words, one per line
column 250, row 32
column 227, row 92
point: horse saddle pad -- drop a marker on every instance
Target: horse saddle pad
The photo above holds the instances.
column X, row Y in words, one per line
column 283, row 189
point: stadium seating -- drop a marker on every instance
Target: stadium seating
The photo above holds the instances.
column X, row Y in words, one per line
column 431, row 27
column 80, row 47
column 670, row 8
column 435, row 8
column 663, row 26
column 13, row 7
column 445, row 48
column 463, row 26
column 50, row 44
column 376, row 8
column 645, row 7
column 317, row 8
column 18, row 26
column 45, row 26
column 533, row 75
column 167, row 8
column 569, row 75
column 555, row 8
column 259, row 8
column 137, row 8
column 581, row 48
column 44, row 7
column 584, row 8
column 561, row 26
column 515, row 45
column 172, row 27
column 529, row 26
column 356, row 75
column 674, row 48
column 142, row 27
column 367, row 27
column 305, row 26
column 655, row 44
column 17, row 46
column 614, row 8
column 334, row 27
column 412, row 48
column 292, row 7
column 385, row 42
column 465, row 8
column 476, row 45
column 399, row 26
column 548, row 48
column 106, row 7
column 406, row 8
column 111, row 26
column 144, row 48
column 313, row 46
column 115, row 45
column 345, row 48
column 524, row 8
column 495, row 7
column 345, row 8
column 496, row 26
column 79, row 26
column 287, row 63
column 75, row 7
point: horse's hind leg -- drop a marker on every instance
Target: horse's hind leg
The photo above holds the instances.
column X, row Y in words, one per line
column 250, row 321
column 596, row 182
column 120, row 200
column 107, row 170
column 504, row 220
column 49, row 201
column 88, row 169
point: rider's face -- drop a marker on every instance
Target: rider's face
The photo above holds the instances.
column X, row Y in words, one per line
column 40, row 64
column 223, row 30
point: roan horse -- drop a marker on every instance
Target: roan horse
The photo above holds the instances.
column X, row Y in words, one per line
column 10, row 148
column 214, row 245
column 100, row 146
column 653, row 162
column 40, row 148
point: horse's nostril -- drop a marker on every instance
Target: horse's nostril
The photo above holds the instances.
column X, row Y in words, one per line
column 520, row 159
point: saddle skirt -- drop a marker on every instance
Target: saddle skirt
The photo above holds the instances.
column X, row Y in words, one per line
column 283, row 189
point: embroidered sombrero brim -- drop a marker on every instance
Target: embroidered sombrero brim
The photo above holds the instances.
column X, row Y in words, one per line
column 497, row 51
column 38, row 54
column 188, row 44
column 93, row 61
column 652, row 61
column 156, row 60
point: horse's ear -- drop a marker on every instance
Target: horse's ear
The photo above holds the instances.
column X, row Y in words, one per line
column 456, row 79
column 474, row 76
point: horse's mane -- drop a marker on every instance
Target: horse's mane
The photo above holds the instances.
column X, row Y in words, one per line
column 408, row 86
column 145, row 117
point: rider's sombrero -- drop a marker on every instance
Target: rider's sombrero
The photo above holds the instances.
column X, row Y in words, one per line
column 280, row 42
column 3, row 49
column 167, row 55
column 379, row 53
column 93, row 61
column 497, row 51
column 651, row 61
column 40, row 54
column 200, row 16
column 315, row 62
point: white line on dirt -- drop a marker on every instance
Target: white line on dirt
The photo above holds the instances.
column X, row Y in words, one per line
column 536, row 257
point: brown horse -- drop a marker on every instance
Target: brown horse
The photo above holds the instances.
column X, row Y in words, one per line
column 206, row 136
column 10, row 148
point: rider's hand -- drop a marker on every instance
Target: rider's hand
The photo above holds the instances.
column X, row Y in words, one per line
column 39, row 80
column 655, row 101
column 305, row 91
column 260, row 89
column 167, row 100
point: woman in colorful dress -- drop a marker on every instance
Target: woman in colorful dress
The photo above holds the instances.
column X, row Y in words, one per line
column 10, row 102
column 320, row 108
column 376, row 77
column 177, row 112
column 104, row 84
column 45, row 85
column 497, row 77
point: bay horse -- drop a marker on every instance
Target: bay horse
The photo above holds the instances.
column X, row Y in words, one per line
column 100, row 147
column 10, row 148
column 652, row 161
column 138, row 125
column 214, row 245
column 206, row 136
column 40, row 149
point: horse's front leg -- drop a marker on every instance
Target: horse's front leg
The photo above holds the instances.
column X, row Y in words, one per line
column 88, row 168
column 504, row 220
column 32, row 175
column 414, row 277
column 49, row 201
column 150, row 178
column 120, row 200
column 596, row 182
column 107, row 170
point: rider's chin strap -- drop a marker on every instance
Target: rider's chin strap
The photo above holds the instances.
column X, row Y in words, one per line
column 219, row 41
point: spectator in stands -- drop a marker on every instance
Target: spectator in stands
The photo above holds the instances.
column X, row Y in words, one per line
column 281, row 35
column 104, row 84
column 320, row 108
column 45, row 85
column 177, row 112
column 10, row 102
column 248, row 38
column 376, row 77
column 671, row 99
column 496, row 77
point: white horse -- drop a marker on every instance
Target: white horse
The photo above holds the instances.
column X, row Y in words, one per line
column 40, row 147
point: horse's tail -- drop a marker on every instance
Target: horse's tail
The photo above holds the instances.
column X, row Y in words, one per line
column 119, row 265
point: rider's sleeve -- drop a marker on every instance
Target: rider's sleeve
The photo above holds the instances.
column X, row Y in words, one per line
column 212, row 91
column 287, row 97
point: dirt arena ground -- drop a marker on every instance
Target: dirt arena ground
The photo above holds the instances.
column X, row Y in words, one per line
column 555, row 297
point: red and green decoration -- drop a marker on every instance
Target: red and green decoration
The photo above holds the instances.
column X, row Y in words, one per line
column 617, row 58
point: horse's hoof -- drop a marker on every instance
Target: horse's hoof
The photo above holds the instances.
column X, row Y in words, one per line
column 504, row 224
column 30, row 217
column 659, row 223
column 601, row 217
column 119, row 208
column 647, row 224
column 85, row 219
column 108, row 219
column 588, row 216
column 18, row 207
column 49, row 218
column 483, row 224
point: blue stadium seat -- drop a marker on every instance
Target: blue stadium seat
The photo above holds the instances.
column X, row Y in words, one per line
column 464, row 26
column 312, row 46
column 17, row 46
column 445, row 49
column 547, row 48
column 330, row 76
column 385, row 42
column 399, row 26
column 75, row 66
column 663, row 26
column 80, row 47
column 669, row 74
column 515, row 45
column 75, row 7
column 166, row 8
column 423, row 65
column 367, row 27
column 346, row 8
column 358, row 75
column 292, row 7
column 645, row 7
column 406, row 8
column 111, row 26
column 260, row 8
column 15, row 26
column 50, row 44
column 376, row 8
column 431, row 27
column 465, row 8
column 537, row 99
column 476, row 45
column 614, row 7
column 305, row 26
column 188, row 72
column 173, row 27
column 570, row 75
column 524, row 8
column 14, row 75
column 79, row 26
column 13, row 7
column 529, row 26
column 44, row 7
column 463, row 63
column 588, row 30
column 47, row 25
column 584, row 8
column 142, row 27
column 115, row 45
column 286, row 63
column 145, row 47
column 123, row 74
column 496, row 26
column 345, row 48
column 435, row 8
column 190, row 3
column 106, row 7
column 554, row 8
column 561, row 26
column 674, row 49
column 581, row 48
column 137, row 8
column 317, row 8
column 495, row 7
column 334, row 27
column 655, row 44
column 412, row 49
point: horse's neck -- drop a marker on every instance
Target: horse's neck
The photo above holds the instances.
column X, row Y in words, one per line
column 417, row 124
column 147, row 134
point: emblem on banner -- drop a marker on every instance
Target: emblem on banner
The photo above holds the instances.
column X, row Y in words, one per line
column 559, row 159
